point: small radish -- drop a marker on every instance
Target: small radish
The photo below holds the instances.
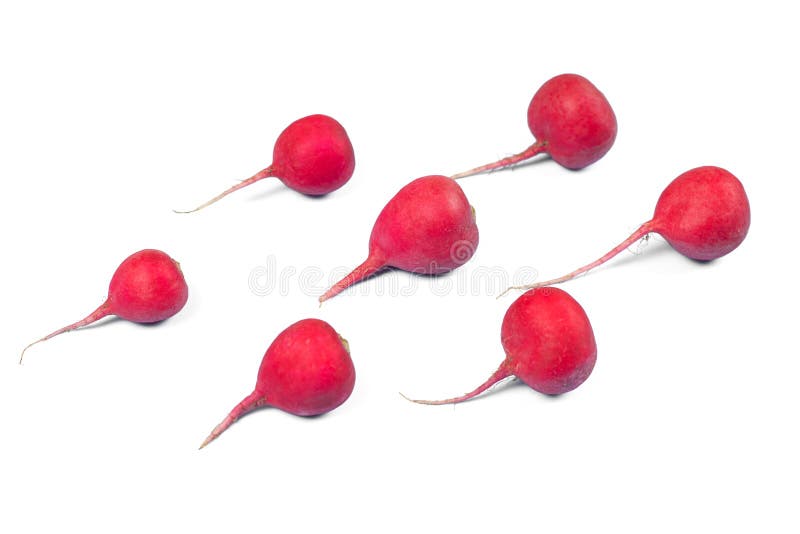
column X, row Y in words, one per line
column 549, row 345
column 428, row 227
column 313, row 155
column 570, row 119
column 703, row 213
column 146, row 288
column 306, row 371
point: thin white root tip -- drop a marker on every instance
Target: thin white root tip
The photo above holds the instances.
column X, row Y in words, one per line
column 504, row 293
column 22, row 354
column 415, row 401
column 521, row 288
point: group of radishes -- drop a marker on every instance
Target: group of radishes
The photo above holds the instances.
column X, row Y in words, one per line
column 429, row 227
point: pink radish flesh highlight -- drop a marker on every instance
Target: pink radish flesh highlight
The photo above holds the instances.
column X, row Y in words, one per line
column 549, row 345
column 307, row 370
column 146, row 288
column 313, row 155
column 570, row 119
column 704, row 214
column 428, row 227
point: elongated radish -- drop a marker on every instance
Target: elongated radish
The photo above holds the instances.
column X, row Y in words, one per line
column 146, row 288
column 313, row 155
column 549, row 345
column 704, row 214
column 306, row 371
column 570, row 119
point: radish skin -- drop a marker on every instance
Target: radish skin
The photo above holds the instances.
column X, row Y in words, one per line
column 313, row 156
column 306, row 371
column 147, row 287
column 572, row 122
column 704, row 214
column 428, row 227
column 549, row 345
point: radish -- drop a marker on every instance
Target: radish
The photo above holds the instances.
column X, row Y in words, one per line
column 549, row 345
column 146, row 288
column 570, row 119
column 703, row 213
column 428, row 227
column 306, row 371
column 313, row 155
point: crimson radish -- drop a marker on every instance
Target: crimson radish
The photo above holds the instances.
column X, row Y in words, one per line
column 313, row 155
column 703, row 213
column 306, row 371
column 428, row 227
column 570, row 119
column 549, row 345
column 147, row 287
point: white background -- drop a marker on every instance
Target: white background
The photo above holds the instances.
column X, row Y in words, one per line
column 112, row 116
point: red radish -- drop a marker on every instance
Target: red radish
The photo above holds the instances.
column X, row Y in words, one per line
column 306, row 371
column 570, row 119
column 146, row 288
column 428, row 227
column 703, row 213
column 549, row 345
column 313, row 155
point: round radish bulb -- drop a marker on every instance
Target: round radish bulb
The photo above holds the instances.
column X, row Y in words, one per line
column 306, row 371
column 428, row 227
column 313, row 155
column 570, row 119
column 146, row 288
column 703, row 213
column 549, row 345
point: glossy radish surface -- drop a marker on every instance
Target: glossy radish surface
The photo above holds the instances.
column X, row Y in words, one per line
column 570, row 119
column 313, row 155
column 428, row 227
column 307, row 370
column 704, row 214
column 549, row 345
column 147, row 287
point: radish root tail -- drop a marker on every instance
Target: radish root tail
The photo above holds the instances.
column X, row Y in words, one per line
column 537, row 148
column 501, row 374
column 102, row 311
column 642, row 232
column 266, row 173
